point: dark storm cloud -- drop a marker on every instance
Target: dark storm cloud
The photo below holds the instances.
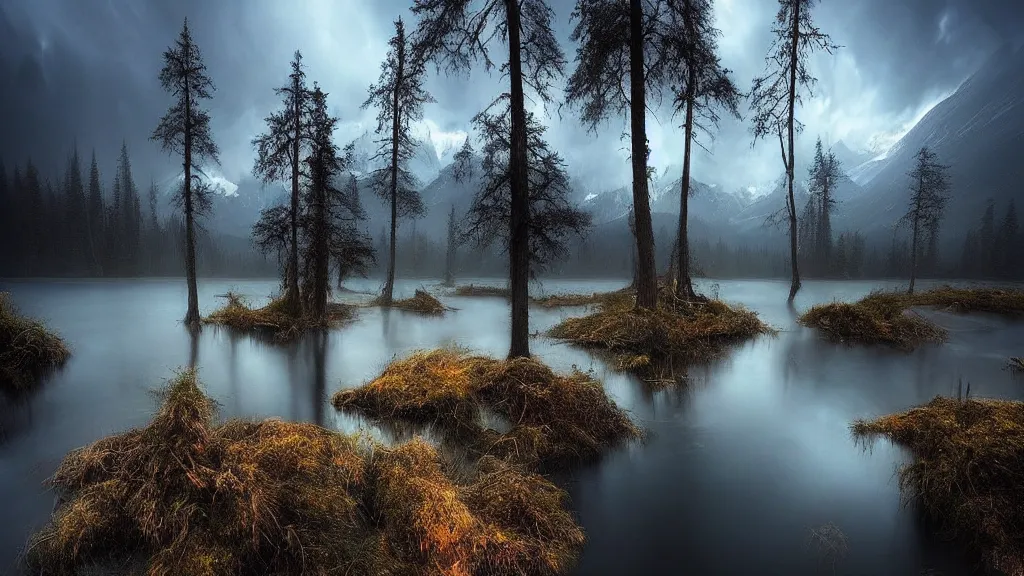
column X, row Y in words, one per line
column 87, row 69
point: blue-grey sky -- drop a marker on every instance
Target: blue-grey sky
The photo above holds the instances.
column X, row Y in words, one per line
column 86, row 70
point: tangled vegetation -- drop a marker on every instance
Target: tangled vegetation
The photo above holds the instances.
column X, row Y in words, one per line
column 421, row 303
column 677, row 330
column 557, row 421
column 27, row 349
column 193, row 498
column 1016, row 363
column 483, row 291
column 967, row 470
column 885, row 318
column 274, row 319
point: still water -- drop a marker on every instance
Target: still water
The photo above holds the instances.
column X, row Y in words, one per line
column 739, row 467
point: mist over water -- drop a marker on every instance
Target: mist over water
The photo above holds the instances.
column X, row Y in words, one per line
column 740, row 464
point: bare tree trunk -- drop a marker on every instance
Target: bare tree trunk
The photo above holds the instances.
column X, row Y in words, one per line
column 192, row 314
column 646, row 275
column 685, row 287
column 449, row 257
column 794, row 286
column 321, row 264
column 389, row 285
column 292, row 300
column 917, row 225
column 519, row 221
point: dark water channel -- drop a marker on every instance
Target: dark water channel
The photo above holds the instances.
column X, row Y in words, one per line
column 740, row 465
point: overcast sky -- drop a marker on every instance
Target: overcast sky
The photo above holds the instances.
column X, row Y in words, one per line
column 86, row 70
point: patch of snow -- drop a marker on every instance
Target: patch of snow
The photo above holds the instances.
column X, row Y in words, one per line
column 589, row 197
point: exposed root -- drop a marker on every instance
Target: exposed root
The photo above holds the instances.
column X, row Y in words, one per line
column 27, row 349
column 274, row 319
column 557, row 420
column 885, row 318
column 638, row 339
column 193, row 498
column 422, row 302
column 968, row 470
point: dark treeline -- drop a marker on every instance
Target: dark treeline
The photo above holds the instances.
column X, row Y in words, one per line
column 75, row 224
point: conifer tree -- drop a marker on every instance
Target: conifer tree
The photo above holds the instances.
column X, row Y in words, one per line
column 928, row 195
column 1008, row 249
column 185, row 130
column 96, row 218
column 452, row 244
column 553, row 219
column 278, row 156
column 76, row 232
column 618, row 44
column 774, row 96
column 130, row 216
column 457, row 33
column 824, row 173
column 328, row 211
column 399, row 96
column 351, row 249
column 701, row 87
column 987, row 238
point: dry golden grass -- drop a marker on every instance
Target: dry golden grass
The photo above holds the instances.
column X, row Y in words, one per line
column 677, row 330
column 27, row 349
column 422, row 303
column 557, row 420
column 885, row 318
column 483, row 291
column 968, row 470
column 563, row 300
column 274, row 319
column 193, row 498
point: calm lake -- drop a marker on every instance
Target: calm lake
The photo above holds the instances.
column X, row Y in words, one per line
column 739, row 467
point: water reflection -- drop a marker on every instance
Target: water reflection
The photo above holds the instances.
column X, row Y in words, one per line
column 742, row 460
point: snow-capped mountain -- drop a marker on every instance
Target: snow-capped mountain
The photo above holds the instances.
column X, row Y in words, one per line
column 848, row 158
column 425, row 163
column 978, row 132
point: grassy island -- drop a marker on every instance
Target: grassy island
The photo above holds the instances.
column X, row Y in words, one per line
column 483, row 291
column 421, row 303
column 27, row 349
column 274, row 319
column 676, row 330
column 886, row 317
column 195, row 498
column 967, row 470
column 557, row 421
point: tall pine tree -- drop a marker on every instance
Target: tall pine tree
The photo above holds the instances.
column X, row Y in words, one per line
column 701, row 87
column 278, row 156
column 775, row 95
column 399, row 96
column 456, row 33
column 929, row 186
column 185, row 130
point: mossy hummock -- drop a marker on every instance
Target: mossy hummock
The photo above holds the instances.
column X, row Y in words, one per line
column 28, row 350
column 968, row 470
column 274, row 319
column 557, row 420
column 886, row 317
column 422, row 302
column 688, row 331
column 483, row 291
column 194, row 498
